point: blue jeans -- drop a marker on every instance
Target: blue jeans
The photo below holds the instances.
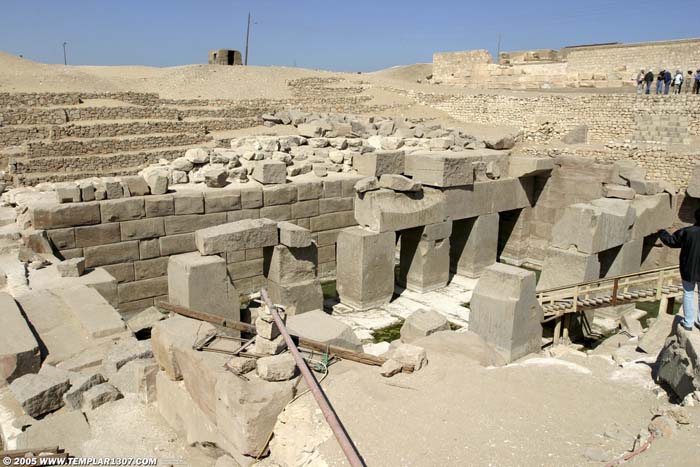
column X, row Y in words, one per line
column 667, row 86
column 659, row 87
column 648, row 85
column 689, row 303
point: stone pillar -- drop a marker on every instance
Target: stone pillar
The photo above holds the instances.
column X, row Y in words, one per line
column 292, row 277
column 365, row 267
column 505, row 311
column 201, row 283
column 473, row 244
column 425, row 257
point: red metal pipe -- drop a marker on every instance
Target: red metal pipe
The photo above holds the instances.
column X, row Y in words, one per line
column 333, row 421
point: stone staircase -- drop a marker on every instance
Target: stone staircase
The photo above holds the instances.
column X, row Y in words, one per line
column 662, row 129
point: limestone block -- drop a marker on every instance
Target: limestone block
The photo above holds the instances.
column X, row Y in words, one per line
column 625, row 259
column 87, row 191
column 157, row 179
column 270, row 171
column 566, row 267
column 437, row 231
column 118, row 210
column 113, row 188
column 111, row 254
column 276, row 367
column 176, row 244
column 618, row 191
column 297, row 298
column 594, row 227
column 136, row 184
column 94, row 314
column 474, row 244
column 74, row 267
column 270, row 346
column 143, row 228
column 221, row 201
column 399, row 183
column 529, row 166
column 441, row 169
column 284, row 265
column 145, row 320
column 502, row 141
column 70, row 430
column 79, row 384
column 173, row 332
column 188, row 203
column 197, row 155
column 201, row 283
column 366, row 184
column 293, row 236
column 678, row 362
column 505, row 311
column 122, row 353
column 385, row 210
column 488, row 197
column 67, row 193
column 242, row 235
column 693, row 188
column 408, row 354
column 365, row 267
column 137, row 377
column 99, row 395
column 422, row 323
column 65, row 215
column 200, row 372
column 95, row 235
column 19, row 355
column 215, row 176
column 629, row 169
column 319, row 326
column 378, row 163
column 653, row 213
column 41, row 393
column 424, row 264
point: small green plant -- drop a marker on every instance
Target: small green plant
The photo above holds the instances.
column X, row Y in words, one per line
column 388, row 334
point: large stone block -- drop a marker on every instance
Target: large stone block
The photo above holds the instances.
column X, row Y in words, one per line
column 474, row 244
column 65, row 215
column 19, row 351
column 270, row 171
column 96, row 316
column 319, row 326
column 424, row 264
column 378, row 163
column 441, row 169
column 173, row 332
column 201, row 283
column 365, row 267
column 505, row 311
column 285, row 265
column 386, row 210
column 594, row 227
column 242, row 235
column 118, row 210
column 111, row 254
column 625, row 259
column 678, row 362
column 293, row 236
column 653, row 213
column 693, row 189
column 529, row 166
column 41, row 393
column 142, row 229
column 566, row 267
column 422, row 323
column 297, row 298
column 95, row 235
column 488, row 197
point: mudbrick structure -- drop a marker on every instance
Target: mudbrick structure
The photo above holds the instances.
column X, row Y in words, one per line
column 137, row 233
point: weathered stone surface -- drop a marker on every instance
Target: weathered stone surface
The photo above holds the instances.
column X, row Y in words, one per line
column 67, row 193
column 678, row 362
column 99, row 395
column 122, row 353
column 242, row 235
column 41, row 393
column 378, row 163
column 529, row 166
column 424, row 264
column 65, row 215
column 137, row 377
column 365, row 267
column 488, row 197
column 505, row 311
column 270, row 171
column 297, row 298
column 693, row 188
column 142, row 229
column 391, row 367
column 293, row 236
column 119, row 210
column 422, row 323
column 197, row 155
column 19, row 355
column 441, row 169
column 319, row 326
column 188, row 203
column 285, row 265
column 645, row 187
column 145, row 320
column 66, row 429
column 201, row 283
column 502, row 141
column 399, row 183
column 241, row 365
column 438, row 231
column 594, row 227
column 111, row 254
column 565, row 267
column 221, row 201
column 276, row 367
column 79, row 384
column 170, row 333
column 653, row 340
column 625, row 259
column 629, row 169
column 270, row 346
column 653, row 213
column 408, row 354
column 473, row 244
column 215, row 177
column 385, row 210
column 94, row 314
column 366, row 184
column 74, row 267
column 157, row 179
column 618, row 191
column 136, row 184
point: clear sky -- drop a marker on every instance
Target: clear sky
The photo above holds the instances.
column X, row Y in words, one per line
column 353, row 35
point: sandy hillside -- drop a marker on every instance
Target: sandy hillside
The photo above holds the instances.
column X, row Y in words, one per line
column 408, row 73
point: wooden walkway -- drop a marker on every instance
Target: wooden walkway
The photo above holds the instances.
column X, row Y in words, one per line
column 662, row 285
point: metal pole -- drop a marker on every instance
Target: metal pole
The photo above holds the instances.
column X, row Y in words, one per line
column 247, row 38
column 65, row 59
column 345, row 444
column 498, row 54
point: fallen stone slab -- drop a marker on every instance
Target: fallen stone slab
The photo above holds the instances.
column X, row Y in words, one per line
column 74, row 267
column 69, row 430
column 319, row 326
column 678, row 363
column 137, row 377
column 241, row 235
column 99, row 395
column 366, row 184
column 276, row 368
column 145, row 320
column 19, row 355
column 79, row 384
column 618, row 191
column 96, row 316
column 422, row 323
column 399, row 183
column 41, row 393
column 171, row 333
column 122, row 353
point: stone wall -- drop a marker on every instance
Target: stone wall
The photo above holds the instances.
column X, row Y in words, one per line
column 133, row 237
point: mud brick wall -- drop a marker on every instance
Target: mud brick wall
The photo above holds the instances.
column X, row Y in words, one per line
column 132, row 238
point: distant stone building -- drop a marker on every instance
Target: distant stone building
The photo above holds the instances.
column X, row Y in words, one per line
column 225, row 57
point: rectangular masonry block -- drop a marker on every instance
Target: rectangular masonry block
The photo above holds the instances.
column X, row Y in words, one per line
column 441, row 169
column 20, row 354
column 277, row 213
column 279, row 194
column 269, row 171
column 378, row 163
column 159, row 206
column 386, row 210
column 303, row 209
column 65, row 215
column 285, row 265
column 142, row 228
column 327, row 237
column 327, row 205
column 189, row 203
column 62, row 239
column 72, row 253
column 221, row 201
column 294, row 236
column 424, row 264
column 336, row 220
column 233, row 216
column 190, row 223
column 309, row 190
column 111, row 254
column 244, row 269
column 176, row 244
column 122, row 272
column 118, row 210
column 251, row 197
column 150, row 268
column 297, row 298
column 137, row 290
column 241, row 235
column 566, row 267
column 474, row 244
column 149, row 248
column 95, row 235
column 332, row 188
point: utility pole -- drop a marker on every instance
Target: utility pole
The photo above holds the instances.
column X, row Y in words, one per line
column 65, row 59
column 498, row 54
column 247, row 38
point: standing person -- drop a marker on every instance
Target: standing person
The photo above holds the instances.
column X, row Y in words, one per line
column 688, row 240
column 678, row 82
column 696, row 85
column 660, row 82
column 668, row 79
column 640, row 81
column 689, row 79
column 648, row 79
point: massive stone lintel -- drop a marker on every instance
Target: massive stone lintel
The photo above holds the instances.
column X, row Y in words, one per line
column 594, row 227
column 474, row 244
column 201, row 283
column 378, row 163
column 505, row 311
column 386, row 211
column 488, row 197
column 240, row 235
column 425, row 264
column 566, row 267
column 365, row 267
column 441, row 169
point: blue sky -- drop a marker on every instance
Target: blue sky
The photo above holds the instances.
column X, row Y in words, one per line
column 355, row 35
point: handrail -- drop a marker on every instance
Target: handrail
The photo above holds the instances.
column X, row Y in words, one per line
column 606, row 279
